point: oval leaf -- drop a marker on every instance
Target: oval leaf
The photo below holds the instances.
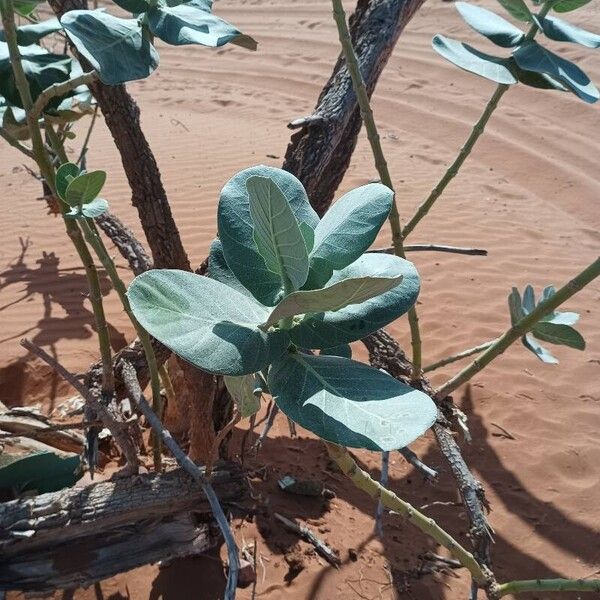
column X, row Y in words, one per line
column 334, row 297
column 531, row 344
column 95, row 208
column 563, row 6
column 518, row 9
column 276, row 232
column 533, row 57
column 218, row 269
column 347, row 230
column 116, row 48
column 245, row 394
column 236, row 229
column 490, row 25
column 133, row 6
column 464, row 56
column 349, row 403
column 210, row 325
column 344, row 351
column 34, row 32
column 561, row 31
column 352, row 323
column 559, row 334
column 190, row 24
column 64, row 175
column 85, row 188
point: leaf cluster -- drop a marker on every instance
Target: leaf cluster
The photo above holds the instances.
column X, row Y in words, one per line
column 283, row 282
column 530, row 62
column 80, row 190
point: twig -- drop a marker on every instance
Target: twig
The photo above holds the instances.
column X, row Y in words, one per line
column 433, row 248
column 117, row 429
column 81, row 159
column 59, row 89
column 380, row 163
column 309, row 121
column 15, row 143
column 383, row 481
column 548, row 585
column 504, row 433
column 427, row 472
column 236, row 416
column 308, row 536
column 458, row 356
column 274, row 409
column 131, row 383
column 521, row 328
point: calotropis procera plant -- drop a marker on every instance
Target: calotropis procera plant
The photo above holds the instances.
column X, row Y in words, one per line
column 282, row 284
column 530, row 62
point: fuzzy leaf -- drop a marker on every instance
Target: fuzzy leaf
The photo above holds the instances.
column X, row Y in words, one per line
column 344, row 351
column 236, row 229
column 308, row 233
column 244, row 394
column 561, row 31
column 563, row 335
column 531, row 344
column 563, row 6
column 518, row 9
column 468, row 58
column 528, row 300
column 533, row 57
column 85, row 188
column 95, row 208
column 116, row 48
column 133, row 6
column 34, row 32
column 64, row 175
column 332, row 298
column 218, row 269
column 490, row 25
column 210, row 325
column 515, row 306
column 191, row 24
column 349, row 403
column 327, row 329
column 347, row 230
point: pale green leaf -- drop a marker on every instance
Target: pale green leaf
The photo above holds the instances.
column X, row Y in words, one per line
column 349, row 403
column 32, row 33
column 244, row 393
column 489, row 24
column 518, row 9
column 563, row 6
column 95, row 208
column 85, row 188
column 344, row 351
column 64, row 175
column 308, row 233
column 544, row 355
column 276, row 232
column 555, row 333
column 561, row 31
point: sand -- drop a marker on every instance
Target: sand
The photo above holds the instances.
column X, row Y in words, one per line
column 529, row 196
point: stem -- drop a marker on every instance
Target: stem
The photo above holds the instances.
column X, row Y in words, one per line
column 363, row 481
column 475, row 134
column 84, row 148
column 383, row 481
column 95, row 241
column 454, row 357
column 15, row 143
column 380, row 164
column 548, row 585
column 47, row 170
column 521, row 328
column 59, row 89
column 433, row 248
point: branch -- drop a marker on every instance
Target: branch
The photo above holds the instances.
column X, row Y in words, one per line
column 59, row 89
column 548, row 585
column 521, row 328
column 433, row 248
column 412, row 459
column 14, row 142
column 458, row 356
column 130, row 379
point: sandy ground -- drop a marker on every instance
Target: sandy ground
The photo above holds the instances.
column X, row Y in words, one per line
column 529, row 196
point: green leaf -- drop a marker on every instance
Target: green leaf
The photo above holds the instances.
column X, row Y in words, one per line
column 34, row 32
column 26, row 7
column 344, row 351
column 236, row 229
column 561, row 31
column 276, row 232
column 531, row 344
column 533, row 57
column 334, row 297
column 528, row 300
column 95, row 208
column 518, row 9
column 64, row 175
column 133, row 6
column 244, row 392
column 349, row 403
column 351, row 323
column 563, row 6
column 536, row 80
column 515, row 307
column 191, row 24
column 347, row 230
column 85, row 188
column 559, row 334
column 116, row 48
column 210, row 325
column 561, row 318
column 218, row 269
column 468, row 58
column 308, row 233
column 41, row 472
column 490, row 25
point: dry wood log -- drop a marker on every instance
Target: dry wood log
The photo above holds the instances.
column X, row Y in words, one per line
column 320, row 152
column 80, row 535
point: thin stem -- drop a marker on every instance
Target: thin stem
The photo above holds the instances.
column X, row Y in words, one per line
column 47, row 170
column 95, row 241
column 59, row 89
column 475, row 134
column 84, row 148
column 458, row 356
column 548, row 585
column 363, row 481
column 15, row 143
column 380, row 164
column 433, row 248
column 521, row 328
column 383, row 481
